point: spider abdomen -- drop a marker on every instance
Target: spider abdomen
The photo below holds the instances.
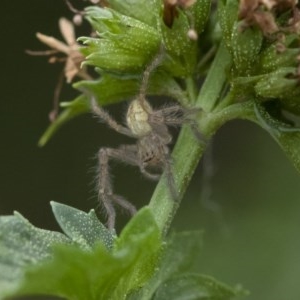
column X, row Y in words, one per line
column 137, row 117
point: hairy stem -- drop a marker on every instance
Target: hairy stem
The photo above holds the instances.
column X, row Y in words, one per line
column 215, row 80
column 188, row 150
column 186, row 155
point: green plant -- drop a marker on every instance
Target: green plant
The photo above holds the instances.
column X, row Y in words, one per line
column 246, row 55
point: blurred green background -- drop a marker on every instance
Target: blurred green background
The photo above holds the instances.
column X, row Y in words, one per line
column 249, row 208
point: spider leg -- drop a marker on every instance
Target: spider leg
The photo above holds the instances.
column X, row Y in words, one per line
column 127, row 154
column 104, row 186
column 131, row 158
column 172, row 115
column 149, row 175
column 176, row 115
column 104, row 116
column 125, row 204
column 147, row 73
column 97, row 110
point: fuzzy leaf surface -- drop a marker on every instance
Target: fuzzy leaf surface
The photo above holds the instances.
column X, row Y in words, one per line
column 172, row 279
column 194, row 287
column 82, row 228
column 142, row 10
column 22, row 245
column 86, row 269
column 287, row 136
column 124, row 44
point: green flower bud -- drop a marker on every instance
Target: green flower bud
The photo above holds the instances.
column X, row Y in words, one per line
column 243, row 45
column 278, row 84
column 181, row 48
column 227, row 12
column 282, row 85
column 145, row 11
column 199, row 12
column 245, row 48
column 271, row 60
column 292, row 104
column 124, row 43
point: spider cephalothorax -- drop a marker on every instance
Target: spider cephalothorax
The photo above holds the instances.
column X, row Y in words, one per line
column 151, row 151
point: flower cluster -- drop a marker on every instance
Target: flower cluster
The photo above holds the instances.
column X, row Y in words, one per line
column 263, row 13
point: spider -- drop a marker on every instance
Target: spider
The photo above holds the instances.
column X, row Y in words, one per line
column 150, row 153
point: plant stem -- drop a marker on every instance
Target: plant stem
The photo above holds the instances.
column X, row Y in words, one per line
column 188, row 149
column 215, row 80
column 191, row 90
column 186, row 156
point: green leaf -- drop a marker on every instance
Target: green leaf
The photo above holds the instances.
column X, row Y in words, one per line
column 82, row 228
column 171, row 280
column 142, row 238
column 72, row 273
column 287, row 136
column 194, row 287
column 182, row 249
column 179, row 253
column 22, row 245
column 81, row 270
column 112, row 89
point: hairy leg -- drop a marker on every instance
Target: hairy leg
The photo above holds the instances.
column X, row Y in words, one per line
column 97, row 110
column 129, row 154
column 126, row 154
column 172, row 115
column 125, row 204
column 104, row 187
column 149, row 175
column 147, row 73
column 176, row 115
